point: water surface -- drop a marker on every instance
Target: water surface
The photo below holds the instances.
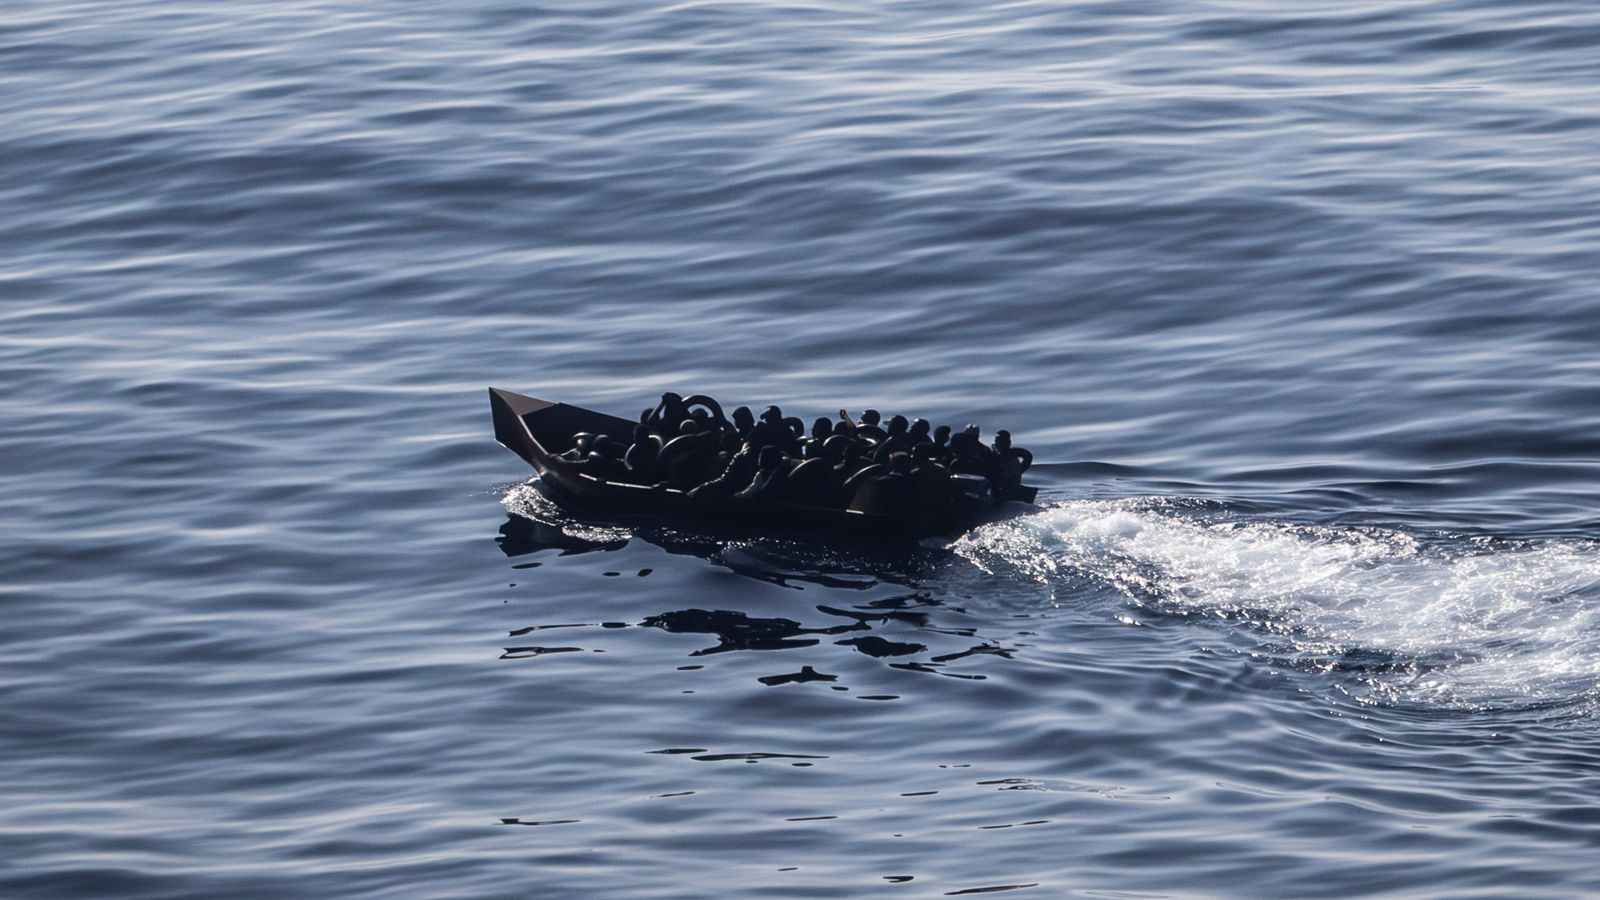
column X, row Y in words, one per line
column 1296, row 308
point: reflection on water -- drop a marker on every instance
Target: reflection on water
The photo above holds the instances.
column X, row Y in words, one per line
column 736, row 630
column 742, row 631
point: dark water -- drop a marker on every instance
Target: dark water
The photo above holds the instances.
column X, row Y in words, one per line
column 1297, row 305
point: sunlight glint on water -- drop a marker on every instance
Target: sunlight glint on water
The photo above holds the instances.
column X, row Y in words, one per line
column 1459, row 623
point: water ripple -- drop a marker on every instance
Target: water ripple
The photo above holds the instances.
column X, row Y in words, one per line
column 1293, row 304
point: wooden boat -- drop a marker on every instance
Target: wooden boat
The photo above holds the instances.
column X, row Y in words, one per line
column 539, row 430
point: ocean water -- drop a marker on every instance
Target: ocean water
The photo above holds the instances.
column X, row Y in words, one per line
column 1298, row 306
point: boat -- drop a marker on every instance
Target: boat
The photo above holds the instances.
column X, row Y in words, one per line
column 540, row 430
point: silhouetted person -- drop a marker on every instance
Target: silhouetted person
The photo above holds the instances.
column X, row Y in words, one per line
column 919, row 431
column 838, row 451
column 641, row 458
column 604, row 460
column 771, row 470
column 736, row 475
column 686, row 459
column 896, row 440
column 582, row 443
column 796, row 427
column 930, row 481
column 869, row 428
column 887, row 491
column 771, row 431
column 856, row 483
column 813, row 483
column 971, row 457
column 822, row 429
column 713, row 420
column 1009, row 463
column 668, row 415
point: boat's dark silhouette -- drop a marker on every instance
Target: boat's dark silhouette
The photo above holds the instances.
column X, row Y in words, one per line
column 540, row 430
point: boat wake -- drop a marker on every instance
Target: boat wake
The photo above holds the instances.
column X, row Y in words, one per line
column 1468, row 623
column 1403, row 619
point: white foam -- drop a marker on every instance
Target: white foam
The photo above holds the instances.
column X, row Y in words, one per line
column 1471, row 623
column 528, row 501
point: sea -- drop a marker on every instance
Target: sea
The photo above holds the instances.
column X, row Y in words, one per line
column 1296, row 304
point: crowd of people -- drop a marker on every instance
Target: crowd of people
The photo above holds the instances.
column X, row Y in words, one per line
column 899, row 466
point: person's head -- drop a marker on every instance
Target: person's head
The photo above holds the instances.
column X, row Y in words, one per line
column 1002, row 440
column 770, row 458
column 641, row 434
column 605, row 446
column 843, row 428
column 688, row 426
column 701, row 416
column 941, row 435
column 919, row 429
column 870, row 417
column 743, row 419
column 583, row 442
column 900, row 462
column 822, row 428
column 836, row 448
column 772, row 415
column 669, row 400
column 974, row 430
column 898, row 425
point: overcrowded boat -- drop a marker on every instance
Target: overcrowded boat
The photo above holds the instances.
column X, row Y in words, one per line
column 685, row 458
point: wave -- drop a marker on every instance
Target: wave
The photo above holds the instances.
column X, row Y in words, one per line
column 1456, row 622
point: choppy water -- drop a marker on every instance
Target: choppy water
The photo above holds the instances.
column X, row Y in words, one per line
column 1296, row 304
